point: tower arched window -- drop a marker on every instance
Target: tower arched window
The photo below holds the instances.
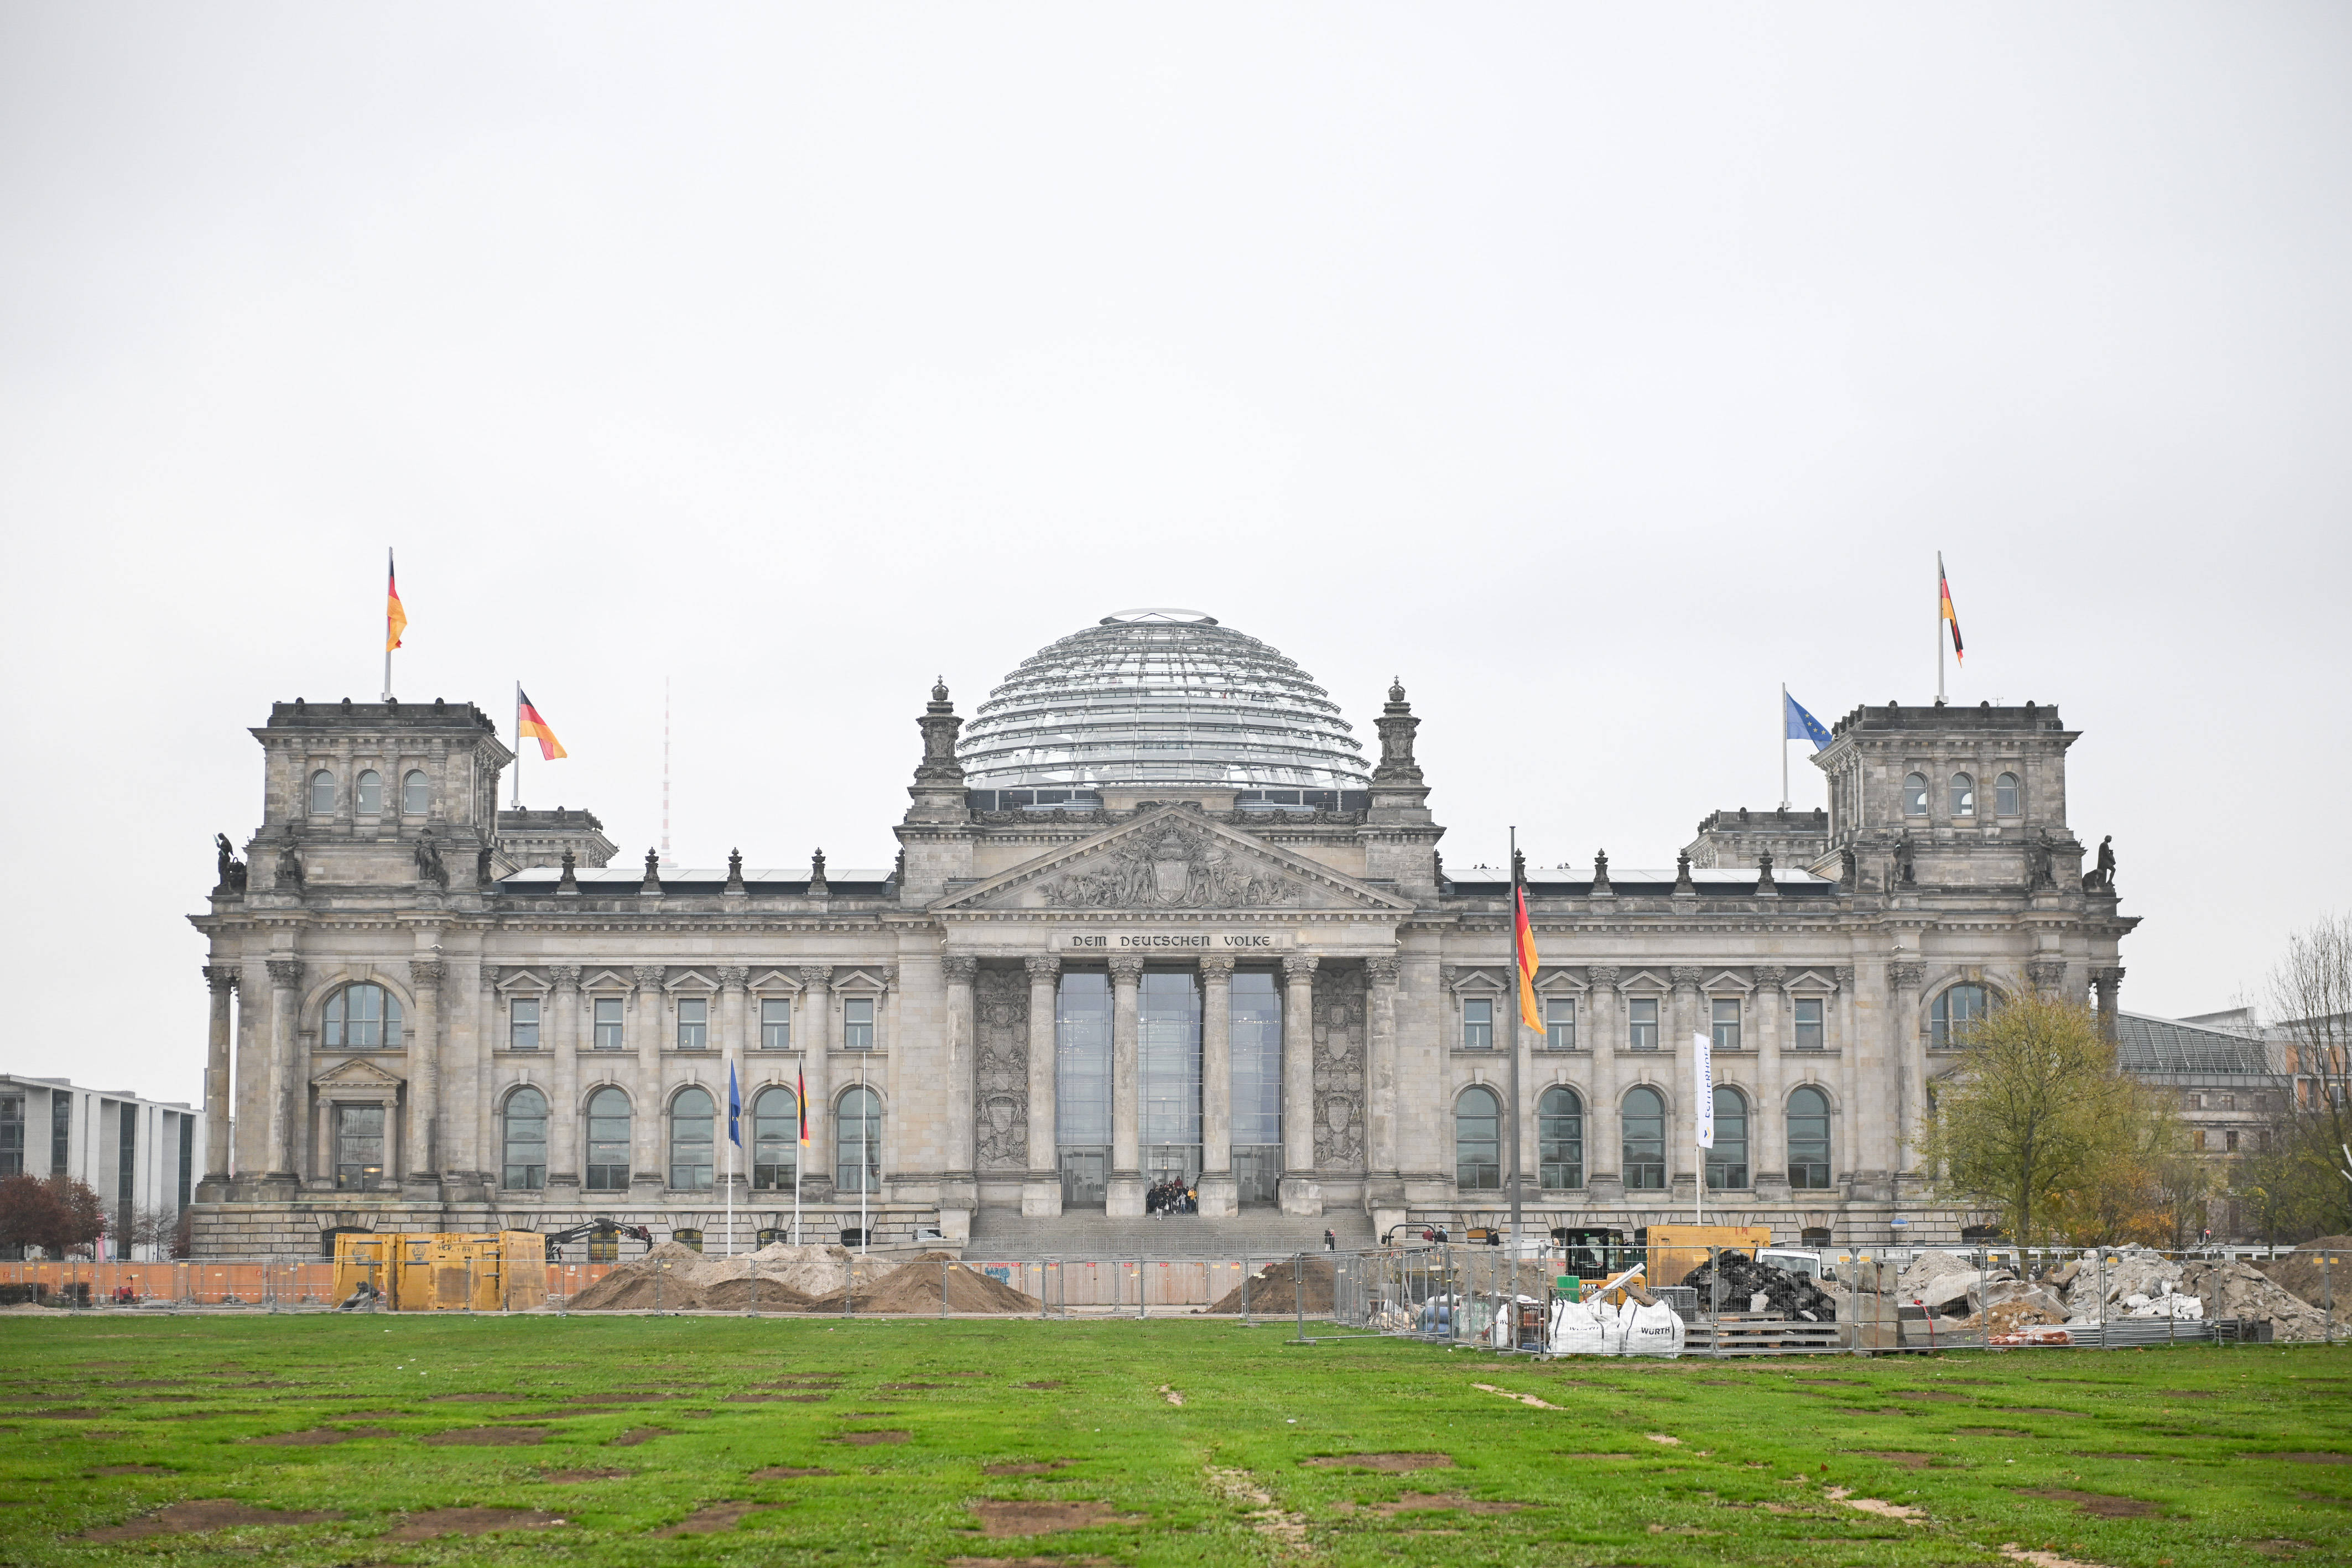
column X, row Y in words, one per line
column 524, row 1125
column 1644, row 1119
column 1914, row 795
column 1559, row 1138
column 415, row 793
column 858, row 1163
column 692, row 1140
column 367, row 800
column 1964, row 795
column 608, row 1140
column 362, row 1018
column 322, row 793
column 2005, row 795
column 1727, row 1163
column 1955, row 1011
column 1478, row 1140
column 775, row 1139
column 1809, row 1140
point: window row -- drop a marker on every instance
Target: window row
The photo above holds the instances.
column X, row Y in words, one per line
column 1642, row 1134
column 367, row 793
column 1640, row 1023
column 776, row 1136
column 1961, row 794
column 607, row 1016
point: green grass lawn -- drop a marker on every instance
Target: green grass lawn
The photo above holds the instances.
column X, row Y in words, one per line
column 1655, row 1462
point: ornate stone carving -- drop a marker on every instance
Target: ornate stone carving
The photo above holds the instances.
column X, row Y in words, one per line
column 290, row 868
column 1905, row 976
column 233, row 872
column 1600, row 888
column 221, row 976
column 1338, row 1027
column 1299, row 966
column 1764, row 884
column 1383, row 971
column 1043, row 967
column 1127, row 967
column 734, row 976
column 1686, row 976
column 816, row 974
column 1603, row 977
column 1844, row 974
column 565, row 976
column 1396, row 725
column 816, row 882
column 885, row 975
column 570, row 881
column 1771, row 977
column 1172, row 868
column 1001, row 1068
column 734, row 871
column 1216, row 966
column 2100, row 878
column 649, row 976
column 424, row 974
column 652, row 883
column 1848, row 868
column 2046, row 974
column 958, row 966
column 428, row 862
column 939, row 725
column 285, row 971
column 1683, row 886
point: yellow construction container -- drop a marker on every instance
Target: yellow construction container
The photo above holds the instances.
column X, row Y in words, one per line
column 504, row 1270
column 1676, row 1249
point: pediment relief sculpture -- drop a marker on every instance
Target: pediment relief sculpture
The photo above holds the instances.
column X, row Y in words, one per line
column 356, row 1074
column 1171, row 867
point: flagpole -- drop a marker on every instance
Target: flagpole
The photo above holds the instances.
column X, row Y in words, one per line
column 865, row 1160
column 517, row 782
column 1513, row 927
column 390, row 576
column 1939, row 628
column 734, row 1139
column 1784, row 743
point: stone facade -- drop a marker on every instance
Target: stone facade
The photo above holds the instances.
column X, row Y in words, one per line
column 609, row 997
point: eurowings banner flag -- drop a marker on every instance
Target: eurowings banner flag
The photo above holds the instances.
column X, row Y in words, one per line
column 1703, row 1060
column 734, row 1109
column 1799, row 725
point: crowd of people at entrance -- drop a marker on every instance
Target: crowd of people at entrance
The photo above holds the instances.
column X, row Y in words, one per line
column 1166, row 1198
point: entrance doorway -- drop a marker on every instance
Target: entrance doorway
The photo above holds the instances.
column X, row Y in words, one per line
column 1258, row 1174
column 1086, row 1177
column 1171, row 1162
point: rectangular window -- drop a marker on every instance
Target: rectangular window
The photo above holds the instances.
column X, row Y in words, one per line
column 12, row 1134
column 693, row 1023
column 775, row 1023
column 60, row 1132
column 608, row 1024
column 359, row 1146
column 1726, row 1023
column 1641, row 1023
column 1808, row 1023
column 187, row 1159
column 126, row 1176
column 1168, row 1057
column 2232, row 1143
column 1081, row 1059
column 858, row 1024
column 1256, row 1041
column 1477, row 1024
column 522, row 1024
column 1559, row 1023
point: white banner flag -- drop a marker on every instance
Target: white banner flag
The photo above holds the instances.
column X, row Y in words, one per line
column 1702, row 1063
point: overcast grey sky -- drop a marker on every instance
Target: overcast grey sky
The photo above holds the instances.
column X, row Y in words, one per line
column 1595, row 369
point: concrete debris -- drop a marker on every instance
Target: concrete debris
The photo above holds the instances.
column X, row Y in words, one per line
column 1759, row 1287
column 1938, row 1282
column 2235, row 1290
column 2303, row 1273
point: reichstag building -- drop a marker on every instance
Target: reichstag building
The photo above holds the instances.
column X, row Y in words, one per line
column 1156, row 917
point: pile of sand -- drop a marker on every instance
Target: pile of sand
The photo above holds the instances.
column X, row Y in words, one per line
column 678, row 1278
column 1272, row 1291
column 2300, row 1273
column 923, row 1283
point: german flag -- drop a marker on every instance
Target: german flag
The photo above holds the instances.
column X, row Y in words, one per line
column 800, row 1092
column 529, row 723
column 395, row 618
column 1530, row 1014
column 1944, row 594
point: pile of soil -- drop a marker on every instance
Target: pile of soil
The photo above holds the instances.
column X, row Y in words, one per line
column 919, row 1284
column 1744, row 1279
column 678, row 1278
column 2299, row 1271
column 1272, row 1291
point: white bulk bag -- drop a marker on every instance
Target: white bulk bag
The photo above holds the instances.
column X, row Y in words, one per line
column 1576, row 1329
column 1653, row 1330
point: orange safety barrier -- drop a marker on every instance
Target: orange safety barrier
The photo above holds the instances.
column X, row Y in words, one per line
column 284, row 1285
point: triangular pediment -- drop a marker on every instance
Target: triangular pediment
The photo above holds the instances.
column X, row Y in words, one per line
column 1173, row 860
column 357, row 1073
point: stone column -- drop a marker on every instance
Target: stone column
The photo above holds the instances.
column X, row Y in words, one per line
column 1041, row 1189
column 734, row 1009
column 1682, row 1125
column 1848, row 1151
column 1384, row 1165
column 486, row 1159
column 222, row 978
column 563, row 1141
column 813, row 1029
column 285, row 1079
column 2108, row 982
column 423, row 1041
column 1125, row 1197
column 648, row 1115
column 1910, row 1055
column 1301, row 1193
column 1768, row 1132
column 1219, row 1196
column 963, row 1061
column 1604, row 1147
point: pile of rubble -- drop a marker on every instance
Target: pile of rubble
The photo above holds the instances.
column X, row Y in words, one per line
column 1752, row 1287
column 2319, row 1271
column 2133, row 1284
column 678, row 1279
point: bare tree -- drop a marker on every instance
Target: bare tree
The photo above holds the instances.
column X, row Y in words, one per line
column 156, row 1227
column 2305, row 1178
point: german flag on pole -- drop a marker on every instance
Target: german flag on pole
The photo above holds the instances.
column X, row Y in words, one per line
column 1530, row 1014
column 529, row 724
column 800, row 1092
column 1944, row 594
column 395, row 618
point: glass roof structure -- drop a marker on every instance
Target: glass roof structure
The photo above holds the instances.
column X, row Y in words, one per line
column 1161, row 698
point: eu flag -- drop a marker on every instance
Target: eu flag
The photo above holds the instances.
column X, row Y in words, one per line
column 734, row 1109
column 1803, row 726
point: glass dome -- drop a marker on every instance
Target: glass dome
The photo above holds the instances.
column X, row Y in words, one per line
column 1161, row 698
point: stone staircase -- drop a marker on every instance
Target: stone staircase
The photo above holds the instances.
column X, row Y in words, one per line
column 1090, row 1233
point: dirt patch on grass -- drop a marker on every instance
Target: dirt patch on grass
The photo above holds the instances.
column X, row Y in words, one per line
column 193, row 1518
column 867, row 1439
column 2098, row 1503
column 1436, row 1501
column 1994, row 1431
column 487, row 1437
column 565, row 1477
column 475, row 1399
column 638, row 1396
column 2037, row 1410
column 1027, row 1467
column 1844, row 1381
column 998, row 1519
column 434, row 1523
column 712, row 1518
column 132, row 1470
column 78, row 1413
column 1386, row 1464
column 1930, row 1393
column 1032, row 1562
column 636, row 1435
column 910, row 1386
column 1908, row 1461
column 775, row 1398
column 1043, row 1382
column 789, row 1472
column 321, row 1437
column 2305, row 1459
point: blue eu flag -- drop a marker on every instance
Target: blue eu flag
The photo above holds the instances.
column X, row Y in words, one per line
column 1803, row 726
column 734, row 1109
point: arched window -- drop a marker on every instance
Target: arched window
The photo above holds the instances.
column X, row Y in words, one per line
column 1914, row 795
column 1645, row 1141
column 1727, row 1163
column 1955, row 1012
column 857, row 1162
column 362, row 1018
column 775, row 1139
column 1559, row 1138
column 526, row 1139
column 322, row 793
column 2004, row 795
column 608, row 1140
column 369, row 801
column 415, row 794
column 1809, row 1140
column 691, row 1140
column 687, row 1237
column 1964, row 795
column 1478, row 1140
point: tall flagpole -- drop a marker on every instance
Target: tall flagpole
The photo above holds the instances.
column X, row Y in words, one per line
column 1939, row 628
column 392, row 577
column 1517, row 894
column 518, row 783
column 1784, row 743
column 865, row 1159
